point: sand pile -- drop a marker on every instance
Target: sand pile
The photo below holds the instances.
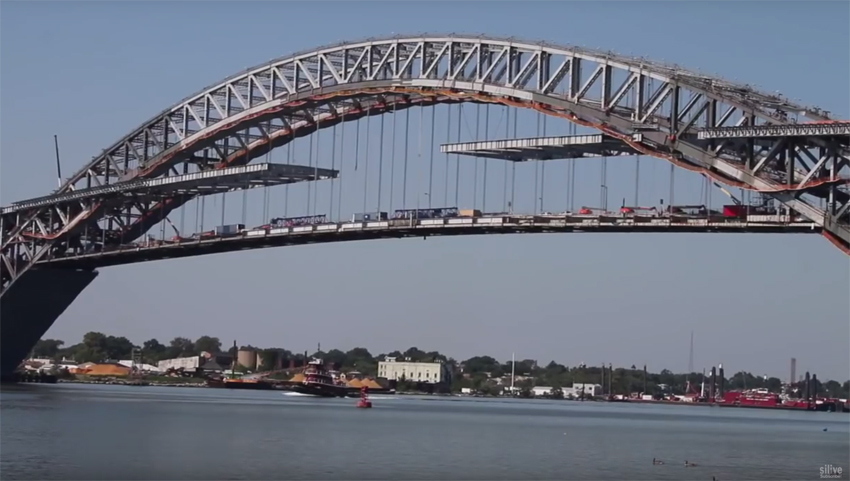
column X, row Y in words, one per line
column 297, row 378
column 355, row 383
column 371, row 384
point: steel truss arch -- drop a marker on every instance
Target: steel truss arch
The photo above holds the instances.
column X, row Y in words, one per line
column 247, row 114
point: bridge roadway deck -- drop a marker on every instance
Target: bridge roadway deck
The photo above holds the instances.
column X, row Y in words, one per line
column 352, row 231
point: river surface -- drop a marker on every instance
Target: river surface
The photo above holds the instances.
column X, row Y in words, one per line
column 74, row 431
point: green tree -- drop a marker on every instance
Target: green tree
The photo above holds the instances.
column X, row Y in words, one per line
column 153, row 351
column 480, row 364
column 209, row 344
column 47, row 348
column 117, row 348
column 335, row 357
column 180, row 347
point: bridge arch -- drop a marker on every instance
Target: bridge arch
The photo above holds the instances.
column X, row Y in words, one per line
column 243, row 116
column 246, row 115
column 238, row 118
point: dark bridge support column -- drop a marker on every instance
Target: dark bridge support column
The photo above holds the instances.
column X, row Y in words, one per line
column 31, row 305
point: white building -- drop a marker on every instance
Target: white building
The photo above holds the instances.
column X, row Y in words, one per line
column 538, row 391
column 140, row 366
column 186, row 363
column 588, row 389
column 424, row 372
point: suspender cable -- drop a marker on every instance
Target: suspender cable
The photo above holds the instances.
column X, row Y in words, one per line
column 380, row 162
column 543, row 172
column 419, row 160
column 603, row 189
column 310, row 164
column 366, row 161
column 632, row 99
column 288, row 160
column 457, row 156
column 537, row 169
column 341, row 162
column 198, row 202
column 573, row 175
column 333, row 167
column 486, row 137
column 223, row 201
column 245, row 204
column 392, row 157
column 448, row 140
column 357, row 146
column 431, row 161
column 266, row 193
column 513, row 169
column 316, row 171
column 406, row 154
column 506, row 162
column 477, row 137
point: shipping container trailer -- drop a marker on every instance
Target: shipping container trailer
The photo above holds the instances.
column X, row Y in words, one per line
column 430, row 213
column 297, row 221
column 470, row 213
column 734, row 210
column 229, row 229
column 369, row 216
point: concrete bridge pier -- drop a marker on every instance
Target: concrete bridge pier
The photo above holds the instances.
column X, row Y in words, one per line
column 31, row 305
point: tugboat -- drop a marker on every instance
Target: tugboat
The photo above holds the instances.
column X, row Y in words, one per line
column 318, row 382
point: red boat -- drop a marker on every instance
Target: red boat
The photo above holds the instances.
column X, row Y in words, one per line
column 755, row 398
column 761, row 398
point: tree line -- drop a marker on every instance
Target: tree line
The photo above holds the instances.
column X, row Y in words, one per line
column 482, row 373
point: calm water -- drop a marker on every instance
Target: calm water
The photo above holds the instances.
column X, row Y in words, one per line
column 113, row 432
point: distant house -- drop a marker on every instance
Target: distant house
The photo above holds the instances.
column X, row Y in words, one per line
column 541, row 391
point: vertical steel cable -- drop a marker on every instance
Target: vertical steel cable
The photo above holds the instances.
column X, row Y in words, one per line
column 475, row 176
column 316, row 167
column 392, row 157
column 333, row 167
column 506, row 162
column 543, row 172
column 366, row 167
column 288, row 160
column 381, row 160
column 431, row 161
column 406, row 154
column 457, row 156
column 486, row 137
column 341, row 163
column 448, row 140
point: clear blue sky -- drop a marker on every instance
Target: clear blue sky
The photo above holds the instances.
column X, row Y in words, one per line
column 90, row 72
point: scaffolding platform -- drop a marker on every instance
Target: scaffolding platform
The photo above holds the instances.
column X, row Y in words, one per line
column 544, row 148
column 199, row 183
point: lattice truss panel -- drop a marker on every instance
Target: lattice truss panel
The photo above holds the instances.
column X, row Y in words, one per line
column 239, row 119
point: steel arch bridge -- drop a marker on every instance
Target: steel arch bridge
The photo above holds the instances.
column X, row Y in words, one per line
column 729, row 132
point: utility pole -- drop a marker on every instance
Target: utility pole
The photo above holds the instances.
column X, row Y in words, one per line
column 513, row 371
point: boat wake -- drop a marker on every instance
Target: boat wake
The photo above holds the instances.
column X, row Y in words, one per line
column 298, row 394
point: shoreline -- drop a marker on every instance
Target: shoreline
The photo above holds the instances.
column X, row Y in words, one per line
column 442, row 395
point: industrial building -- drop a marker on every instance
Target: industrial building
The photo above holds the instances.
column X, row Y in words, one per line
column 575, row 390
column 433, row 373
column 578, row 388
